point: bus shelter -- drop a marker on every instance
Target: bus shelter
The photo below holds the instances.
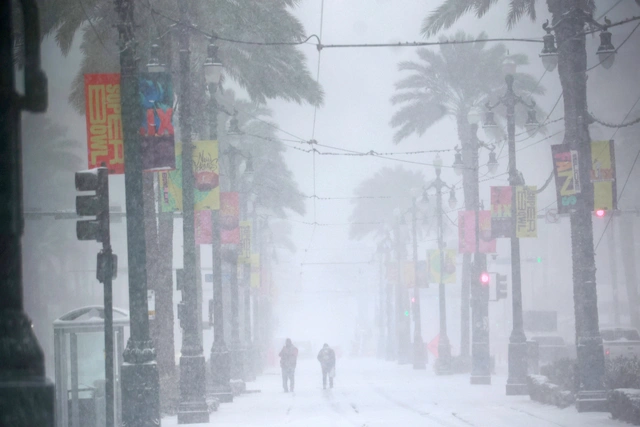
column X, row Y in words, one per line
column 79, row 366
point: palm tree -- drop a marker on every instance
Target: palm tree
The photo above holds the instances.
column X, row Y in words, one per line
column 265, row 72
column 450, row 84
column 372, row 214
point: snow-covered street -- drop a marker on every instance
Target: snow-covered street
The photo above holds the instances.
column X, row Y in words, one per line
column 372, row 393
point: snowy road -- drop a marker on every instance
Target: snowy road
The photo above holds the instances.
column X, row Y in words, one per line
column 370, row 393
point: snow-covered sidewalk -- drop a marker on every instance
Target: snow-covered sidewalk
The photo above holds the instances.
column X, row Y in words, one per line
column 372, row 393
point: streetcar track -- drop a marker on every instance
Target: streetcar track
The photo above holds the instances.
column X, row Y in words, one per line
column 418, row 411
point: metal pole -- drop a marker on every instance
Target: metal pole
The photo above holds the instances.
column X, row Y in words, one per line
column 220, row 362
column 402, row 318
column 517, row 352
column 391, row 348
column 139, row 372
column 108, row 306
column 236, row 351
column 444, row 347
column 480, row 353
column 419, row 356
column 613, row 267
column 192, row 407
column 381, row 329
column 248, row 351
column 26, row 396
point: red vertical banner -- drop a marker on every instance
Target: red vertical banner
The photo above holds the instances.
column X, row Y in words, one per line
column 467, row 232
column 501, row 199
column 230, row 218
column 203, row 228
column 104, row 121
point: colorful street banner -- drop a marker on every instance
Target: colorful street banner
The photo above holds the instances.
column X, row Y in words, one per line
column 205, row 169
column 203, row 228
column 449, row 276
column 244, row 251
column 501, row 225
column 255, row 271
column 467, row 232
column 230, row 218
column 567, row 176
column 603, row 175
column 526, row 211
column 104, row 121
column 157, row 142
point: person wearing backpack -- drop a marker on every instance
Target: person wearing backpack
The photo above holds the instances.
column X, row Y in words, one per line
column 288, row 360
column 327, row 359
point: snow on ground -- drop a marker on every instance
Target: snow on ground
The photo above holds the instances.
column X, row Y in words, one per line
column 373, row 393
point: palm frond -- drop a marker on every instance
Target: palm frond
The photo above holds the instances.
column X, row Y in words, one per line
column 446, row 15
column 518, row 8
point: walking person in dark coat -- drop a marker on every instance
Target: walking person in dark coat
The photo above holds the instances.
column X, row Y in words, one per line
column 327, row 359
column 288, row 360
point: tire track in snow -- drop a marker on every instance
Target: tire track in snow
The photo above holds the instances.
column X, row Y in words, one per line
column 419, row 411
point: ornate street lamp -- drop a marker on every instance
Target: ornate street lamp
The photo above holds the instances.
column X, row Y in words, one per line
column 444, row 347
column 549, row 54
column 220, row 358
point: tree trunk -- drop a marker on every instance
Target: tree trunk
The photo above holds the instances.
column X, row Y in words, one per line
column 627, row 244
column 572, row 62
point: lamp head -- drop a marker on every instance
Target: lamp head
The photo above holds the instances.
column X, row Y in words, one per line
column 212, row 65
column 154, row 65
column 606, row 51
column 458, row 164
column 549, row 53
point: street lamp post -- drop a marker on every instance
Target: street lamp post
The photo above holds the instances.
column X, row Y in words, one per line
column 444, row 346
column 517, row 377
column 419, row 356
column 220, row 362
column 571, row 58
column 232, row 154
column 249, row 365
column 139, row 373
column 390, row 347
column 26, row 395
column 193, row 406
column 481, row 358
column 403, row 340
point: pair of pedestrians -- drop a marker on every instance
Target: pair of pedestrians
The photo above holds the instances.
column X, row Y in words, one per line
column 289, row 358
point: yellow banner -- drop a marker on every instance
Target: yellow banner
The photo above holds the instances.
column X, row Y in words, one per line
column 449, row 275
column 206, row 174
column 255, row 271
column 526, row 212
column 603, row 174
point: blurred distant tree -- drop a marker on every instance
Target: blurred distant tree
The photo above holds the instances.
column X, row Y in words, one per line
column 451, row 83
column 378, row 196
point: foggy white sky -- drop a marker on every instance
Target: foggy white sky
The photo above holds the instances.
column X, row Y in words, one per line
column 358, row 84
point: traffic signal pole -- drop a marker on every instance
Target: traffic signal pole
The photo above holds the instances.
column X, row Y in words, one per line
column 89, row 205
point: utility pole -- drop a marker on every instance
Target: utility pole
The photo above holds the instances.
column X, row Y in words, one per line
column 517, row 379
column 403, row 340
column 419, row 356
column 444, row 346
column 220, row 361
column 480, row 350
column 139, row 383
column 193, row 407
column 26, row 395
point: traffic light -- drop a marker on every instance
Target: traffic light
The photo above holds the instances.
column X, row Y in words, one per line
column 97, row 204
column 485, row 279
column 600, row 213
column 501, row 286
